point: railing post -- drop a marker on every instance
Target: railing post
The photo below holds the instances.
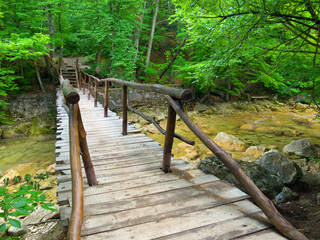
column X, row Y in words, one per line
column 124, row 109
column 171, row 124
column 86, row 159
column 106, row 98
column 80, row 79
column 84, row 80
column 89, row 87
column 95, row 92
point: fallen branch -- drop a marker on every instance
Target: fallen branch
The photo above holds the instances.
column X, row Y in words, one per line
column 155, row 123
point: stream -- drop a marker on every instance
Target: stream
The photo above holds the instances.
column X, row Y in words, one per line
column 38, row 150
column 273, row 129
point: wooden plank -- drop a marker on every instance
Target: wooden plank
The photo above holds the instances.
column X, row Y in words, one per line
column 269, row 234
column 108, row 187
column 126, row 170
column 132, row 217
column 229, row 229
column 171, row 225
column 106, row 165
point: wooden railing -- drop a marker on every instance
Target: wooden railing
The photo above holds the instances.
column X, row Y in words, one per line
column 174, row 97
column 78, row 143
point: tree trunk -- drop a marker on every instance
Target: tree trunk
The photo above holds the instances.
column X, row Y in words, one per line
column 152, row 32
column 39, row 78
column 174, row 58
column 98, row 55
column 138, row 32
column 50, row 30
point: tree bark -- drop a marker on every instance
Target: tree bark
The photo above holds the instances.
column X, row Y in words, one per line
column 50, row 30
column 174, row 58
column 39, row 78
column 138, row 33
column 152, row 33
column 98, row 55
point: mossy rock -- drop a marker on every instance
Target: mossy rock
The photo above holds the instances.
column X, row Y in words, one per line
column 9, row 132
column 22, row 128
column 269, row 184
column 41, row 125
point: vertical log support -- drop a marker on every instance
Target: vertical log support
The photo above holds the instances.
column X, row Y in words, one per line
column 80, row 79
column 124, row 109
column 89, row 87
column 86, row 159
column 74, row 230
column 84, row 80
column 106, row 98
column 171, row 124
column 95, row 93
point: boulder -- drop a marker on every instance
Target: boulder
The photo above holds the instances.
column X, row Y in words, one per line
column 255, row 151
column 230, row 142
column 201, row 108
column 152, row 129
column 51, row 169
column 268, row 130
column 41, row 215
column 16, row 232
column 286, row 195
column 311, row 178
column 302, row 148
column 9, row 132
column 269, row 184
column 274, row 162
column 10, row 174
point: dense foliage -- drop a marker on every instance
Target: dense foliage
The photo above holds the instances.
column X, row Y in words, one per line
column 226, row 47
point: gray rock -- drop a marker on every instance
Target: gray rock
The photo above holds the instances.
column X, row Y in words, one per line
column 201, row 108
column 40, row 215
column 230, row 142
column 14, row 231
column 302, row 148
column 311, row 178
column 269, row 184
column 286, row 195
column 276, row 163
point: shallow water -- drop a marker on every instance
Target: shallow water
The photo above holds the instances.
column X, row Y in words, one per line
column 40, row 150
column 302, row 122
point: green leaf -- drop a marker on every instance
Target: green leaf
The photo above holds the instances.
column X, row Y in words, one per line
column 3, row 227
column 19, row 202
column 47, row 207
column 22, row 212
column 15, row 223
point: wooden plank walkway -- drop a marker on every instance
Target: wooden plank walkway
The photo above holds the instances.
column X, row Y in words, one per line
column 136, row 200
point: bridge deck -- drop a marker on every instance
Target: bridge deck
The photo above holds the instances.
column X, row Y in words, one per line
column 136, row 200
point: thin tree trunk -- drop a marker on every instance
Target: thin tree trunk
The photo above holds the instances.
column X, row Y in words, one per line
column 174, row 58
column 152, row 32
column 138, row 33
column 98, row 55
column 39, row 78
column 21, row 68
column 50, row 30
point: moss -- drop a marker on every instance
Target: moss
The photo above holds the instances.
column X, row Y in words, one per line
column 41, row 125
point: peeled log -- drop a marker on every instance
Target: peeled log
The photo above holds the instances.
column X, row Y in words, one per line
column 70, row 94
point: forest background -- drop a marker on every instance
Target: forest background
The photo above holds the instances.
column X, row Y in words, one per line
column 228, row 48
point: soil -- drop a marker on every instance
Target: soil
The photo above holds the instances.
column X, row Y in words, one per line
column 304, row 213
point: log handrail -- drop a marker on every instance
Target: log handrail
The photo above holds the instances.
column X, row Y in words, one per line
column 260, row 199
column 78, row 145
column 174, row 97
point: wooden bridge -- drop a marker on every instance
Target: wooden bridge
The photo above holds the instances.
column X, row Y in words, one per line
column 134, row 197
